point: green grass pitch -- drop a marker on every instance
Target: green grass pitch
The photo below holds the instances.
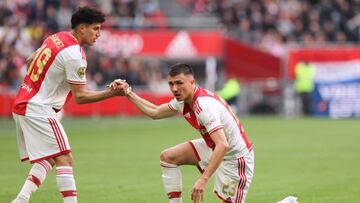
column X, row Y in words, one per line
column 117, row 160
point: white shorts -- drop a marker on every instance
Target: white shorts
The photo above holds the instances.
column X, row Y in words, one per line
column 232, row 178
column 40, row 138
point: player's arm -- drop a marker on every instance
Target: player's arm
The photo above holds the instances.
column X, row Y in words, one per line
column 151, row 110
column 221, row 147
column 29, row 60
column 83, row 96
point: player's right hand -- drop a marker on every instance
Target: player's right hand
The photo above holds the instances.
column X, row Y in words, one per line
column 120, row 87
column 198, row 190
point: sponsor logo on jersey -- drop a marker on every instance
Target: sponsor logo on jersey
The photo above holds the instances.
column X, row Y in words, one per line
column 26, row 87
column 210, row 122
column 81, row 72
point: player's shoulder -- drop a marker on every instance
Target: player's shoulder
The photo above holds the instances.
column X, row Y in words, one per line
column 67, row 38
column 73, row 51
column 62, row 40
column 204, row 96
column 204, row 103
column 175, row 104
column 65, row 44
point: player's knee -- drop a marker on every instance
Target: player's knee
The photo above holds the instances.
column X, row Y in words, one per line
column 51, row 161
column 64, row 160
column 167, row 156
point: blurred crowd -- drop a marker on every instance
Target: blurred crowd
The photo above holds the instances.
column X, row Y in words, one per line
column 25, row 23
column 268, row 24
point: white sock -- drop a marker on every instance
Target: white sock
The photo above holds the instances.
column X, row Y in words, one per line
column 172, row 180
column 66, row 183
column 36, row 176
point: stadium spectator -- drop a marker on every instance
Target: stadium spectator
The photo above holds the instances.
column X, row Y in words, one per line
column 304, row 84
column 230, row 92
column 157, row 83
column 318, row 21
column 57, row 68
column 136, row 74
column 224, row 150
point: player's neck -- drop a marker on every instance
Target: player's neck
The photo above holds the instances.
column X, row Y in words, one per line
column 190, row 99
column 77, row 37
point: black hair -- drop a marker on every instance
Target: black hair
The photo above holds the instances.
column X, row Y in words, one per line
column 87, row 15
column 179, row 68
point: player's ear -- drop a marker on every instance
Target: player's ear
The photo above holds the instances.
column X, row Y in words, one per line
column 81, row 28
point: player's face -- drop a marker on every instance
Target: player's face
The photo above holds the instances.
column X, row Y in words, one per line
column 182, row 86
column 91, row 33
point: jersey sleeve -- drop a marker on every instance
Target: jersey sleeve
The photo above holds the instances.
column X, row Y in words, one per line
column 210, row 119
column 175, row 105
column 75, row 71
column 75, row 65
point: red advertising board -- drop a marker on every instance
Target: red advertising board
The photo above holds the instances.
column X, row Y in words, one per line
column 111, row 107
column 247, row 62
column 167, row 43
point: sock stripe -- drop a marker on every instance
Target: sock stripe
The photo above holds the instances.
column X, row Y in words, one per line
column 64, row 171
column 64, row 168
column 35, row 180
column 69, row 193
column 47, row 166
column 172, row 195
column 64, row 174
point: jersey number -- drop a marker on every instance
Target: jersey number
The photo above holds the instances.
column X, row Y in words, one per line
column 229, row 188
column 41, row 58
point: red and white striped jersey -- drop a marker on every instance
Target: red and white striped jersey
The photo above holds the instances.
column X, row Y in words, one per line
column 59, row 61
column 209, row 113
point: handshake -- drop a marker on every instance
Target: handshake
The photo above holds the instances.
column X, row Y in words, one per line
column 119, row 87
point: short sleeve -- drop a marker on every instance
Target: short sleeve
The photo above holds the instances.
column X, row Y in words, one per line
column 75, row 71
column 175, row 105
column 210, row 120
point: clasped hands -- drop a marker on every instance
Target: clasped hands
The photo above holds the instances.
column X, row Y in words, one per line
column 120, row 87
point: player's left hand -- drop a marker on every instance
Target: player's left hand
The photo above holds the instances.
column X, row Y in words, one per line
column 198, row 190
column 119, row 87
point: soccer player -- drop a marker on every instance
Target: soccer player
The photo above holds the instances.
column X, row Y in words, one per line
column 224, row 150
column 55, row 72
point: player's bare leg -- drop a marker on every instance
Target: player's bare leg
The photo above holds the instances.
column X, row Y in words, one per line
column 170, row 159
column 65, row 178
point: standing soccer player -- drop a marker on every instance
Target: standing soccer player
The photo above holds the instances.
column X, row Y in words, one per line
column 55, row 72
column 224, row 150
